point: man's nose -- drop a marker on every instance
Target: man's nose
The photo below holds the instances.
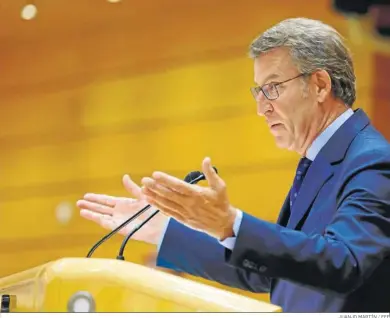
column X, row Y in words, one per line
column 263, row 104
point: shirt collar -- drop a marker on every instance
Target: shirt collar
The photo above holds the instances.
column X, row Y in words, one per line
column 323, row 138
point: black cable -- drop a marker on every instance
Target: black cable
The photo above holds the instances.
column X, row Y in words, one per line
column 192, row 177
column 127, row 238
column 117, row 229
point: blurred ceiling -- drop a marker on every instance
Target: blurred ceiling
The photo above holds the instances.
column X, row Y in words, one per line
column 75, row 42
column 85, row 38
column 65, row 17
column 69, row 17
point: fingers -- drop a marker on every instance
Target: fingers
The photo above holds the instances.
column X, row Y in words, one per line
column 90, row 215
column 167, row 207
column 162, row 203
column 102, row 219
column 95, row 207
column 173, row 183
column 132, row 187
column 101, row 199
column 215, row 182
column 161, row 190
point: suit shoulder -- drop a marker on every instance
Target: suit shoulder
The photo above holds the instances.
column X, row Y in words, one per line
column 369, row 146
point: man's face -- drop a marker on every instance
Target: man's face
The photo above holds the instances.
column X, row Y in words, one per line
column 290, row 115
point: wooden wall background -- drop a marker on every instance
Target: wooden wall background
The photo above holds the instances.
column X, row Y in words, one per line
column 91, row 90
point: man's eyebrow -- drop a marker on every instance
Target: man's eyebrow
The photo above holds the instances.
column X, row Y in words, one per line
column 269, row 77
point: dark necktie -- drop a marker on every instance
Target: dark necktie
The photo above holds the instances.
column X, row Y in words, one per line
column 303, row 166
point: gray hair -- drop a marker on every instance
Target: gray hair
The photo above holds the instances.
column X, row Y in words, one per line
column 313, row 45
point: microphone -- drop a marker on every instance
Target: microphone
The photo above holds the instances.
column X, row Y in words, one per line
column 196, row 176
column 192, row 177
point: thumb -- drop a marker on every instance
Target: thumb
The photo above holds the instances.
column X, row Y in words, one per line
column 132, row 187
column 212, row 177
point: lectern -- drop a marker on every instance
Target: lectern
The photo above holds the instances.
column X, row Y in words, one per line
column 110, row 285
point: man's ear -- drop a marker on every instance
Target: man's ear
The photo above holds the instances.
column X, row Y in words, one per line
column 323, row 85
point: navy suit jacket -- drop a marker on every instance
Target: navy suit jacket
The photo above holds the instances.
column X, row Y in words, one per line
column 330, row 254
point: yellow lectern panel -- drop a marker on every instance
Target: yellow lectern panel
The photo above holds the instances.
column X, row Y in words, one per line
column 81, row 284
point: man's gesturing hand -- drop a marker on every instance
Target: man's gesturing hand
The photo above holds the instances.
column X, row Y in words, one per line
column 109, row 212
column 205, row 209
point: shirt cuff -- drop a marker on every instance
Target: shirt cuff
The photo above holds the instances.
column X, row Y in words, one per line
column 230, row 242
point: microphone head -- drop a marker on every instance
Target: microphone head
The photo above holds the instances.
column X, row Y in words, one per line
column 196, row 175
column 193, row 175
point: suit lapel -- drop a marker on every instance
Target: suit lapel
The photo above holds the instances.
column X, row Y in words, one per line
column 318, row 174
column 285, row 211
column 321, row 169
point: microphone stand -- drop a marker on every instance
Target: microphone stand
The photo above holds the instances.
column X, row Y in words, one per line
column 192, row 177
column 120, row 255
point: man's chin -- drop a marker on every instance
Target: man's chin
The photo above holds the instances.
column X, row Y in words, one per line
column 282, row 143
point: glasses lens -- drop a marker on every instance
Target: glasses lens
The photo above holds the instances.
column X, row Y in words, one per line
column 270, row 91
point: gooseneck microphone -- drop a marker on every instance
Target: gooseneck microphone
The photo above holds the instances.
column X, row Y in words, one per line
column 192, row 178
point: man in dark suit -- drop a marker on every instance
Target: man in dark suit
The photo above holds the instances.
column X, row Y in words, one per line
column 329, row 250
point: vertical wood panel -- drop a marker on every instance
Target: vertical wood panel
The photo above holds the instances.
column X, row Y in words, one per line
column 381, row 94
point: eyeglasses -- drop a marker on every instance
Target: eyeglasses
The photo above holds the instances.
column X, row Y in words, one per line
column 270, row 90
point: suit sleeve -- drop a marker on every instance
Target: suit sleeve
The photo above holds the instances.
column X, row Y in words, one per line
column 355, row 243
column 186, row 250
